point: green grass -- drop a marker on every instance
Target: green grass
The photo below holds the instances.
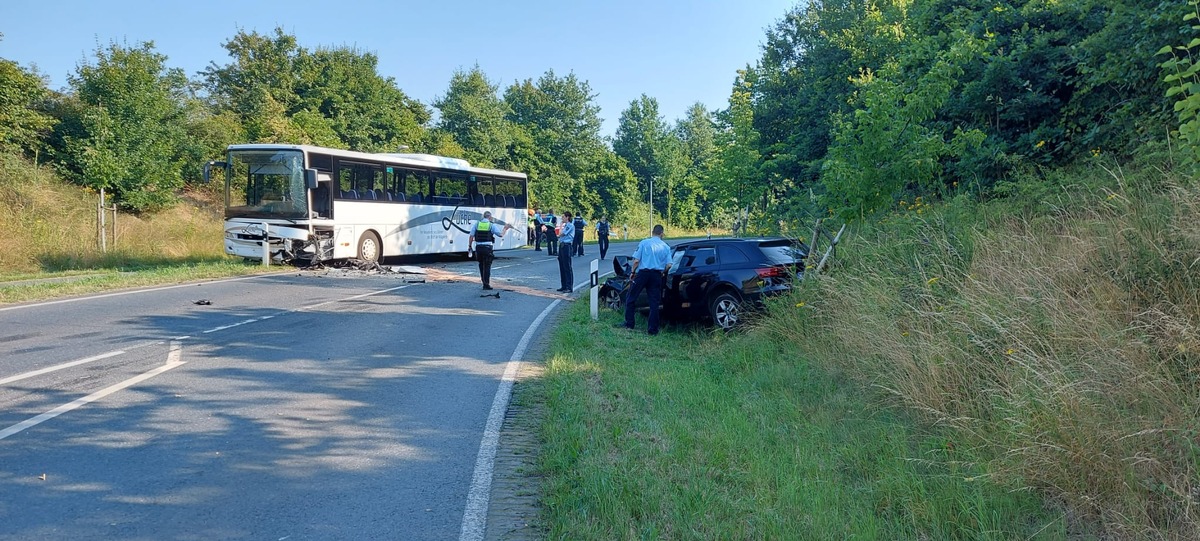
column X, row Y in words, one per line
column 697, row 435
column 27, row 287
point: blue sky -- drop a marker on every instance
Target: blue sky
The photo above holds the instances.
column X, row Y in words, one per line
column 677, row 52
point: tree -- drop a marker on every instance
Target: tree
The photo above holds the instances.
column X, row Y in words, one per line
column 24, row 124
column 654, row 154
column 132, row 124
column 564, row 127
column 697, row 133
column 890, row 145
column 801, row 82
column 473, row 113
column 259, row 86
column 332, row 97
column 368, row 112
column 737, row 180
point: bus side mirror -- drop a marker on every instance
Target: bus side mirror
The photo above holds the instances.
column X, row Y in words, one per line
column 208, row 169
column 310, row 178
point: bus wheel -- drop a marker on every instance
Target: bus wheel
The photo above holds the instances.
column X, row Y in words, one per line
column 369, row 247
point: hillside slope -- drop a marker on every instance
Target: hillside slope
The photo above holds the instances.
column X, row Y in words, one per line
column 51, row 226
column 1053, row 335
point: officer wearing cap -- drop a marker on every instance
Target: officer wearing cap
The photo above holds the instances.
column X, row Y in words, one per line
column 482, row 236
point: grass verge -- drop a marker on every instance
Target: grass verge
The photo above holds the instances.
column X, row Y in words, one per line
column 27, row 287
column 698, row 435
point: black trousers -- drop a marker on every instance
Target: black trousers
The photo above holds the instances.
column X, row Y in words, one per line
column 538, row 237
column 566, row 273
column 603, row 242
column 552, row 243
column 652, row 281
column 577, row 246
column 485, row 255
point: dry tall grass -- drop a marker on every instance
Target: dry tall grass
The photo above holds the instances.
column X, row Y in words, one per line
column 50, row 225
column 1061, row 348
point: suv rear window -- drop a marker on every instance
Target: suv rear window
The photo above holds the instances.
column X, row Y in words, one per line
column 782, row 252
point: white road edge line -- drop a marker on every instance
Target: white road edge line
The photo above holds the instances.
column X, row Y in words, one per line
column 49, row 369
column 172, row 362
column 475, row 516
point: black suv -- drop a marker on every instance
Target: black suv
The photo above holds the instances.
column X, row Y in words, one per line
column 714, row 279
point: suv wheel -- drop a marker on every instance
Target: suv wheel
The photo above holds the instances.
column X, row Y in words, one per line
column 611, row 298
column 724, row 310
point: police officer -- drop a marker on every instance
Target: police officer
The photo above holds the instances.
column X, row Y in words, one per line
column 566, row 274
column 602, row 236
column 550, row 227
column 580, row 224
column 482, row 236
column 538, row 231
column 529, row 231
column 651, row 261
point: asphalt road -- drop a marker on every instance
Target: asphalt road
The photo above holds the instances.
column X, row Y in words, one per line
column 300, row 405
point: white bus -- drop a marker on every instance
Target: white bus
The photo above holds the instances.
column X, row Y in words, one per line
column 313, row 204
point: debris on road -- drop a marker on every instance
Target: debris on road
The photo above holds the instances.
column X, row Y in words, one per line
column 355, row 268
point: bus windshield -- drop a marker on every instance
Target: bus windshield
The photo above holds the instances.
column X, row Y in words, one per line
column 266, row 184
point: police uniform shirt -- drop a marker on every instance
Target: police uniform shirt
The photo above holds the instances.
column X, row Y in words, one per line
column 652, row 254
column 568, row 233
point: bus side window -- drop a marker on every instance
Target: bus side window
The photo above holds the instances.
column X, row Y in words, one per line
column 485, row 189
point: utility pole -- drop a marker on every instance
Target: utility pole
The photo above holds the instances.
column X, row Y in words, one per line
column 650, row 200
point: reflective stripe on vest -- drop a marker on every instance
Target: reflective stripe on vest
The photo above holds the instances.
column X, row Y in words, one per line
column 483, row 232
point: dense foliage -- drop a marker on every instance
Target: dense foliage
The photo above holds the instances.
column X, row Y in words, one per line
column 854, row 107
column 874, row 102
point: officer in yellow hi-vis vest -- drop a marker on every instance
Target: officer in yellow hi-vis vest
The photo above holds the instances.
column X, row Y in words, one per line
column 482, row 236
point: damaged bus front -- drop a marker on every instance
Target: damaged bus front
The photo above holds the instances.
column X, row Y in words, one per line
column 268, row 199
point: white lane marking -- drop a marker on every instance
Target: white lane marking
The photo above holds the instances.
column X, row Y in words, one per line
column 49, row 369
column 70, row 364
column 174, row 352
column 119, row 293
column 172, row 362
column 475, row 516
column 311, row 306
column 232, row 325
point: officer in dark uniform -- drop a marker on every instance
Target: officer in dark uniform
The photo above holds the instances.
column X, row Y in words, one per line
column 577, row 245
column 538, row 235
column 550, row 225
column 482, row 236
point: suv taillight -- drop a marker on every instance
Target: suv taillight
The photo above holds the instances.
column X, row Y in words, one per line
column 772, row 272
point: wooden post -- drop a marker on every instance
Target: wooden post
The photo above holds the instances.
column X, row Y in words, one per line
column 829, row 251
column 101, row 230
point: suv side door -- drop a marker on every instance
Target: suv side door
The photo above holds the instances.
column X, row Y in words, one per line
column 689, row 283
